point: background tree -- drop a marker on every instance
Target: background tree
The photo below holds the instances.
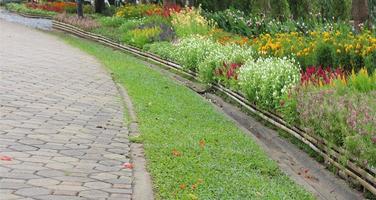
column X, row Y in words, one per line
column 80, row 12
column 99, row 6
column 359, row 12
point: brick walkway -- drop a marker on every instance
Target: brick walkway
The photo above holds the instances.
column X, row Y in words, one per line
column 61, row 122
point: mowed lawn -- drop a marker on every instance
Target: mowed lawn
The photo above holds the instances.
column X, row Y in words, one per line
column 193, row 150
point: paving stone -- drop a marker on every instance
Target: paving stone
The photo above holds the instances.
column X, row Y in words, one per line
column 93, row 194
column 33, row 191
column 43, row 182
column 97, row 185
column 50, row 173
column 51, row 106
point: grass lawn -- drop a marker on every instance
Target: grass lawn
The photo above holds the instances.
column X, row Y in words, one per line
column 193, row 151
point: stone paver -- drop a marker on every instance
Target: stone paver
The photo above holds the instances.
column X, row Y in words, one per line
column 43, row 24
column 61, row 122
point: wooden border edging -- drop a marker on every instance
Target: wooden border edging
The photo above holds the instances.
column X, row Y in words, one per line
column 364, row 176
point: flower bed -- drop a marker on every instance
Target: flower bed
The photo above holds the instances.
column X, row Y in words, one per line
column 269, row 70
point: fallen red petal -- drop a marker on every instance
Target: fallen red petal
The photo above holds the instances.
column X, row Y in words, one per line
column 128, row 165
column 6, row 158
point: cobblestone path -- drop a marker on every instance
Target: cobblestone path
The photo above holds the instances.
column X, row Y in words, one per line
column 61, row 122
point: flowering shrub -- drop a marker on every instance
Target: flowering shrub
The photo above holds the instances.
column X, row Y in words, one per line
column 220, row 60
column 189, row 21
column 84, row 23
column 21, row 8
column 265, row 81
column 166, row 11
column 189, row 52
column 139, row 37
column 136, row 11
column 318, row 76
column 347, row 120
column 344, row 49
column 111, row 21
column 59, row 7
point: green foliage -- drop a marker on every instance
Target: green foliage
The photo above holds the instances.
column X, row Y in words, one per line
column 341, row 9
column 370, row 62
column 301, row 8
column 163, row 49
column 140, row 37
column 280, row 9
column 325, row 55
column 111, row 21
column 362, row 82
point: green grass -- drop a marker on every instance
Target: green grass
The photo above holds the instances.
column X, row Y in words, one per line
column 193, row 151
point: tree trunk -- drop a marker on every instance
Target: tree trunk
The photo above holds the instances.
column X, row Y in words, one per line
column 80, row 12
column 168, row 2
column 99, row 6
column 359, row 12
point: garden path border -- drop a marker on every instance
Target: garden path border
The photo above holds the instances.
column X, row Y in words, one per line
column 351, row 172
column 142, row 183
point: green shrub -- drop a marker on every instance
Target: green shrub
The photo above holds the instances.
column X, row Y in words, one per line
column 111, row 21
column 280, row 9
column 325, row 55
column 370, row 62
column 140, row 37
column 88, row 9
column 163, row 49
column 231, row 20
column 300, row 8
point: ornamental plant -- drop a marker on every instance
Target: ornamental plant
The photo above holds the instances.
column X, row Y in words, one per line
column 223, row 57
column 59, row 7
column 141, row 36
column 191, row 51
column 136, row 11
column 265, row 81
column 345, row 119
column 189, row 21
column 318, row 76
column 83, row 23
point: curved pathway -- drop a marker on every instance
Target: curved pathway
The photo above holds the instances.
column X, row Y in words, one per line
column 61, row 122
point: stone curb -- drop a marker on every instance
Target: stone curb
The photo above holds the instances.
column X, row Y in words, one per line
column 142, row 183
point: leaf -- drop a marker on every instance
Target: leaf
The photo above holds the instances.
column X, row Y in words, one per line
column 176, row 153
column 182, row 186
column 202, row 143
